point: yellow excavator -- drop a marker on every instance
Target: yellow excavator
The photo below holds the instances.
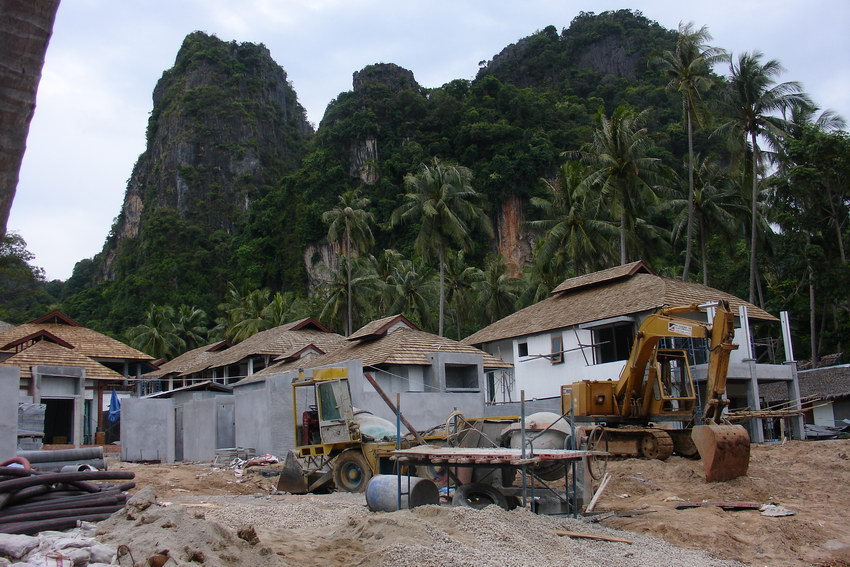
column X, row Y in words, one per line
column 656, row 385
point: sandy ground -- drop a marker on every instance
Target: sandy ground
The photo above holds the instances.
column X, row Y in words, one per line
column 809, row 478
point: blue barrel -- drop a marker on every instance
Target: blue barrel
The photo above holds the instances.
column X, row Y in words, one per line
column 382, row 493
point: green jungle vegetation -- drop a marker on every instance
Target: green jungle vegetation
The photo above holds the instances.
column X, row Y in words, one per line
column 614, row 136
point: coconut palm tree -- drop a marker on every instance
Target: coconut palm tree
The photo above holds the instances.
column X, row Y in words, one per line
column 752, row 99
column 349, row 223
column 413, row 290
column 190, row 324
column 716, row 206
column 460, row 282
column 157, row 336
column 337, row 290
column 441, row 199
column 621, row 169
column 689, row 70
column 574, row 238
column 496, row 292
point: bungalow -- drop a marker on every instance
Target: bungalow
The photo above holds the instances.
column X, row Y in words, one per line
column 585, row 329
column 828, row 387
column 68, row 367
column 228, row 364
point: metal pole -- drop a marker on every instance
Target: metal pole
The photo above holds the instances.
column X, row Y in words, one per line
column 522, row 440
column 572, row 462
column 398, row 446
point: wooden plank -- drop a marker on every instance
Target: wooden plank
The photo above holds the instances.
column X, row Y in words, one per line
column 563, row 533
column 605, row 479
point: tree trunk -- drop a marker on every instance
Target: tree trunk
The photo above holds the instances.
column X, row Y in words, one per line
column 348, row 283
column 25, row 26
column 689, row 236
column 812, row 317
column 754, row 222
column 623, row 256
column 702, row 253
column 442, row 286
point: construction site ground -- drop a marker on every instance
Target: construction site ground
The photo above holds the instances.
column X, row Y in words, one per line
column 809, row 478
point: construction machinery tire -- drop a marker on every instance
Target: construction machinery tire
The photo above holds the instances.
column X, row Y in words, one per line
column 655, row 444
column 479, row 495
column 597, row 440
column 351, row 471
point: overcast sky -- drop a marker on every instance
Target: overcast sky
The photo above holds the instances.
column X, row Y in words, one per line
column 106, row 56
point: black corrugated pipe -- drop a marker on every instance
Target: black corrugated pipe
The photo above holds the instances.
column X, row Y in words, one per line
column 37, row 515
column 71, row 501
column 30, row 528
column 77, row 478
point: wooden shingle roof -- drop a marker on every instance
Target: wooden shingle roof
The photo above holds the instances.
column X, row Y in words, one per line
column 86, row 341
column 187, row 360
column 380, row 326
column 623, row 295
column 402, row 347
column 277, row 341
column 45, row 353
column 603, row 276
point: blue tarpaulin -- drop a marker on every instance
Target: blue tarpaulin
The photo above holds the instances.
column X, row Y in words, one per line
column 114, row 407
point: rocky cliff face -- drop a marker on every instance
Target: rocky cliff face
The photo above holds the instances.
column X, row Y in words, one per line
column 225, row 124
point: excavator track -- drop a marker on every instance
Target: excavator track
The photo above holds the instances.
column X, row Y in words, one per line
column 656, row 444
column 638, row 442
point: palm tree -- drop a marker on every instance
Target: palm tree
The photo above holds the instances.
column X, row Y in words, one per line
column 573, row 236
column 620, row 168
column 157, row 336
column 460, row 282
column 337, row 290
column 282, row 308
column 715, row 204
column 496, row 292
column 246, row 319
column 441, row 198
column 689, row 70
column 191, row 324
column 384, row 267
column 349, row 222
column 752, row 98
column 413, row 290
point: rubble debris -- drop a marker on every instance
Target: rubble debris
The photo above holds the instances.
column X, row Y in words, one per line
column 724, row 505
column 775, row 511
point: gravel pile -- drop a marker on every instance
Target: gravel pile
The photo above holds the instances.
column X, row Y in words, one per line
column 338, row 529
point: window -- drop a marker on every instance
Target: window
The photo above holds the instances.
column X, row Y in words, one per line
column 557, row 356
column 461, row 377
column 612, row 342
column 522, row 349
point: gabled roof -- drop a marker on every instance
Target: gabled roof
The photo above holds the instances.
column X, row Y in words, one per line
column 85, row 341
column 404, row 347
column 45, row 353
column 299, row 352
column 624, row 295
column 42, row 335
column 380, row 327
column 277, row 341
column 603, row 276
column 207, row 385
column 187, row 360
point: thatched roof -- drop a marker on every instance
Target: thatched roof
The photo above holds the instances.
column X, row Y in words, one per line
column 187, row 360
column 402, row 347
column 86, row 341
column 277, row 341
column 829, row 384
column 625, row 292
column 46, row 353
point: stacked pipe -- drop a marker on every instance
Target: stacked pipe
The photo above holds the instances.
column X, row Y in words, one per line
column 32, row 501
column 56, row 460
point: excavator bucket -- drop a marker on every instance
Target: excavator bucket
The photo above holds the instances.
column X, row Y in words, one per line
column 724, row 449
column 293, row 479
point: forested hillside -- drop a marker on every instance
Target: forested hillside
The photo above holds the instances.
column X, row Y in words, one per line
column 569, row 152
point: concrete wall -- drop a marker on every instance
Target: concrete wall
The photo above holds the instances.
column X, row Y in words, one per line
column 10, row 378
column 147, row 430
column 264, row 415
